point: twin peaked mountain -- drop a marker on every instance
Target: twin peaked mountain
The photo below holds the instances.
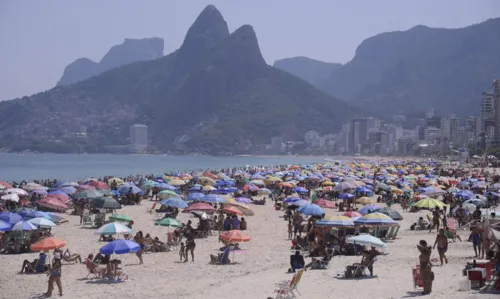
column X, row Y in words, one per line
column 215, row 93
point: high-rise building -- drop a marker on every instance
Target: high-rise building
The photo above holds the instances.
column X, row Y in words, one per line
column 138, row 138
column 358, row 134
column 496, row 95
column 450, row 128
column 311, row 137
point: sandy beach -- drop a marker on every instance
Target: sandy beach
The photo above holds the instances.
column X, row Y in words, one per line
column 253, row 276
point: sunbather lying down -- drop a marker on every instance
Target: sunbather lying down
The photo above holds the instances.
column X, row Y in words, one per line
column 36, row 266
column 68, row 257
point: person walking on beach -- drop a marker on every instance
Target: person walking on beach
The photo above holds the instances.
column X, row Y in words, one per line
column 55, row 276
column 425, row 266
column 442, row 245
column 190, row 246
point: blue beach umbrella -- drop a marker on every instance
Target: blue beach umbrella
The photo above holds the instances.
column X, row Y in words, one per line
column 128, row 188
column 175, row 202
column 120, row 247
column 4, row 226
column 196, row 196
column 10, row 218
column 212, row 198
column 68, row 190
column 335, row 221
column 298, row 203
column 368, row 209
column 292, row 199
column 311, row 209
column 23, row 225
column 300, row 190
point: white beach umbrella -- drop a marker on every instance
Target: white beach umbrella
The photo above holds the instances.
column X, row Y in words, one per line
column 42, row 222
column 113, row 228
column 17, row 191
column 33, row 186
column 367, row 240
column 12, row 197
column 23, row 225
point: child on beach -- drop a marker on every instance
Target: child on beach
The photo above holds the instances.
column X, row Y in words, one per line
column 290, row 230
column 182, row 252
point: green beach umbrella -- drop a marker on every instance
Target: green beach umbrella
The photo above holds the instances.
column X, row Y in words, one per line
column 89, row 194
column 120, row 218
column 169, row 222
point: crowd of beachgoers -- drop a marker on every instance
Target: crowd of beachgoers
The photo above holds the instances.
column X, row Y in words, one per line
column 353, row 220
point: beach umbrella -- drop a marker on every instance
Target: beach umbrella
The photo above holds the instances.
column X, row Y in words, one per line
column 292, row 199
column 243, row 208
column 325, row 203
column 299, row 203
column 68, row 190
column 10, row 218
column 106, row 203
column 170, row 222
column 429, row 203
column 258, row 176
column 367, row 240
column 5, row 185
column 28, row 213
column 195, row 196
column 352, row 214
column 164, row 186
column 233, row 211
column 40, row 192
column 118, row 181
column 166, row 194
column 346, row 196
column 80, row 188
column 344, row 186
column 212, row 198
column 300, row 190
column 47, row 244
column 4, row 226
column 12, row 197
column 98, row 185
column 42, row 222
column 129, row 188
column 89, row 193
column 368, row 209
column 199, row 207
column 476, row 202
column 17, row 191
column 335, row 221
column 52, row 203
column 244, row 200
column 177, row 182
column 264, row 191
column 175, row 202
column 311, row 209
column 234, row 236
column 120, row 218
column 120, row 247
column 390, row 212
column 23, row 225
column 33, row 186
column 113, row 228
column 434, row 191
column 375, row 219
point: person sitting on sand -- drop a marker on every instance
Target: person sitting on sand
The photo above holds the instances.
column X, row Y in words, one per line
column 442, row 244
column 158, row 246
column 30, row 267
column 68, row 257
column 320, row 250
column 296, row 261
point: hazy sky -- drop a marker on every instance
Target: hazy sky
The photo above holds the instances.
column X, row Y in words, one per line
column 39, row 38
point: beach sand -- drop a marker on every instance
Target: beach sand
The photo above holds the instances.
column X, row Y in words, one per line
column 252, row 277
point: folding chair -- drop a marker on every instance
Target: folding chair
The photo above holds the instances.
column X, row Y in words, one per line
column 288, row 289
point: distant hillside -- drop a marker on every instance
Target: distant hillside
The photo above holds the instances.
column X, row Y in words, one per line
column 215, row 93
column 311, row 70
column 131, row 50
column 420, row 68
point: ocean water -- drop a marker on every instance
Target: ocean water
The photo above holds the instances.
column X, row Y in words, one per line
column 16, row 167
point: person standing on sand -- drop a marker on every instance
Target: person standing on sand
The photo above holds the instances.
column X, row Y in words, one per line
column 442, row 244
column 55, row 276
column 425, row 266
column 435, row 220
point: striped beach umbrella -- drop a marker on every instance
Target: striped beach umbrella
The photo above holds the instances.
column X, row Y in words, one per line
column 335, row 221
column 375, row 219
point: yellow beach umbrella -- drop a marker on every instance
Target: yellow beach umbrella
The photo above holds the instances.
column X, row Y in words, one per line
column 177, row 182
column 429, row 203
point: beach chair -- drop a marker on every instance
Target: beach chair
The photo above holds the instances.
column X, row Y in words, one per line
column 417, row 280
column 223, row 258
column 99, row 220
column 390, row 234
column 91, row 268
column 288, row 289
column 87, row 219
column 395, row 233
column 363, row 268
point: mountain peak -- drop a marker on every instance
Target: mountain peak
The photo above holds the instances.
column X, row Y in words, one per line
column 208, row 29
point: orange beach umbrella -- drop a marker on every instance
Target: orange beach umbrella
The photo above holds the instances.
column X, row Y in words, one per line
column 47, row 244
column 235, row 236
